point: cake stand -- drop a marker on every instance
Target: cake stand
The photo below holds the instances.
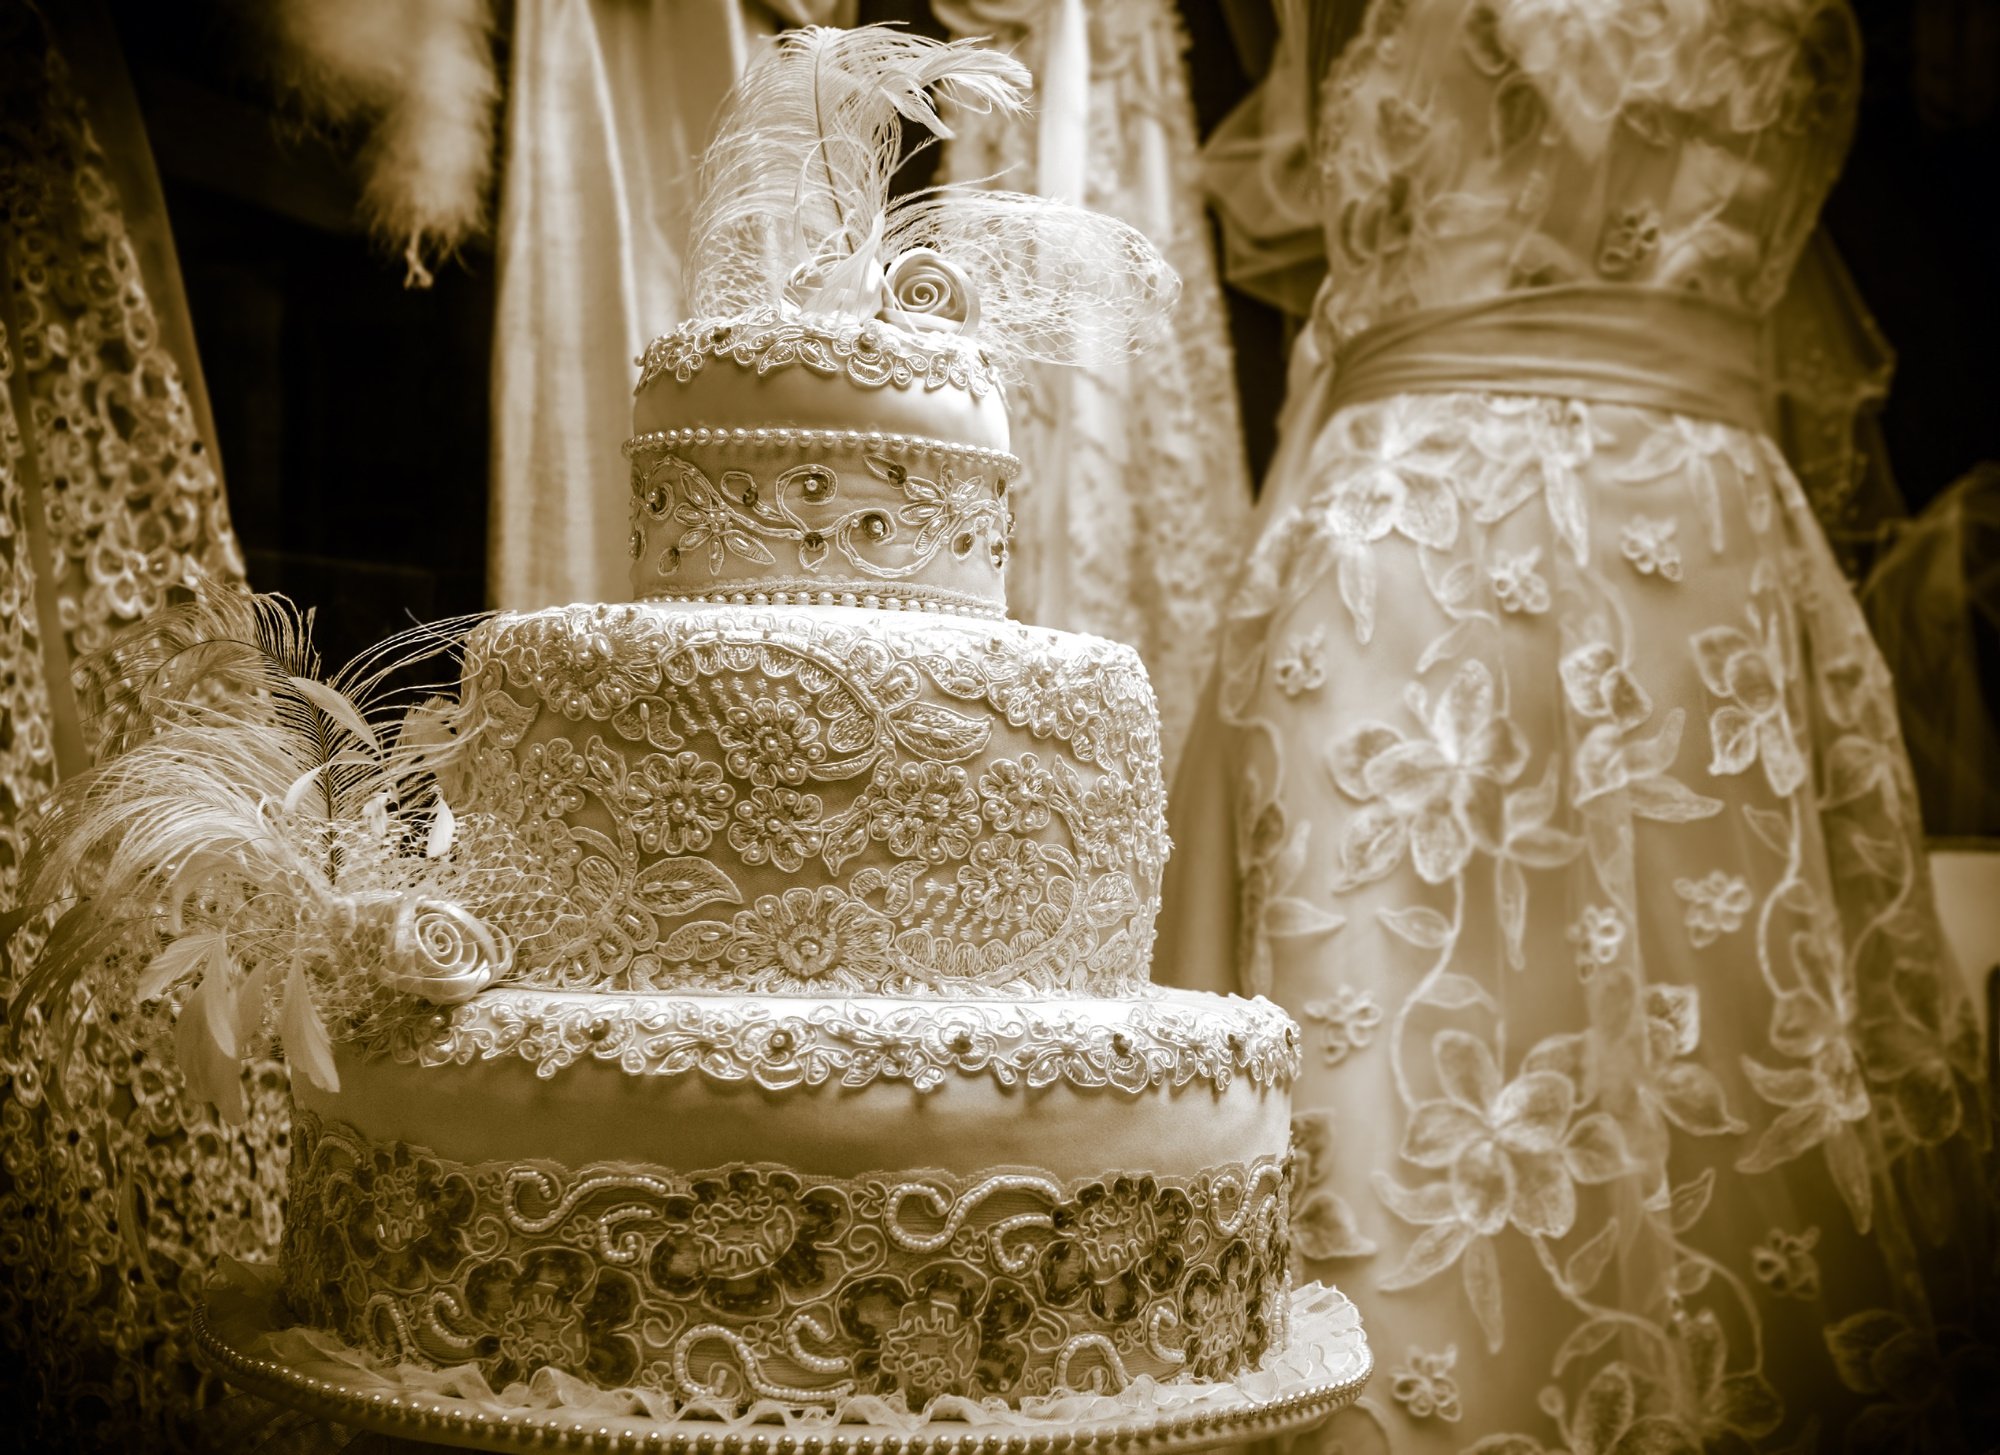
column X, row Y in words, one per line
column 1321, row 1370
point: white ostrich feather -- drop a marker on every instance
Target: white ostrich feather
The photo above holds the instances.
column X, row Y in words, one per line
column 253, row 830
column 796, row 213
column 418, row 76
column 797, row 176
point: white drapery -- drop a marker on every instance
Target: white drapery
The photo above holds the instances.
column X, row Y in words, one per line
column 609, row 106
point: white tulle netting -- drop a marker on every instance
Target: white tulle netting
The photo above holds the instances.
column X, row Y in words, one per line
column 1932, row 600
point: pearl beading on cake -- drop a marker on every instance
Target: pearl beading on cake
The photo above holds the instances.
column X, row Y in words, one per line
column 935, row 601
column 791, row 436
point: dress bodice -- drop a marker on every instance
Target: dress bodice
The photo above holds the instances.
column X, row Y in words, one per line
column 1474, row 147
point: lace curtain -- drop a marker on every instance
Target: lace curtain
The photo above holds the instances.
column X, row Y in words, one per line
column 1135, row 495
column 116, row 1196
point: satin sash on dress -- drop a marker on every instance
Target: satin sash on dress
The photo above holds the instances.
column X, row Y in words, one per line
column 1610, row 343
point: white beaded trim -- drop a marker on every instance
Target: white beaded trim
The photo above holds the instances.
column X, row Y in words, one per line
column 1008, row 465
column 901, row 598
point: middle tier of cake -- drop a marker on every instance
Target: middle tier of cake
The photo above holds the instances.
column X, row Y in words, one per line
column 821, row 799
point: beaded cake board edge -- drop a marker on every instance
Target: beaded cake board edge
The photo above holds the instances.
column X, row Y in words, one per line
column 223, row 1336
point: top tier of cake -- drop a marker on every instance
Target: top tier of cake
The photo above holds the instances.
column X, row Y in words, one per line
column 817, row 459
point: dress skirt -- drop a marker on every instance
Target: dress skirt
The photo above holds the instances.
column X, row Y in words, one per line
column 1551, row 779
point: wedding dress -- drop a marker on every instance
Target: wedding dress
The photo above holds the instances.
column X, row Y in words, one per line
column 1642, row 1109
column 1131, row 510
column 117, row 1195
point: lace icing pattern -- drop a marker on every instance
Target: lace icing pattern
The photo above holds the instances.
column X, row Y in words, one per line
column 870, row 353
column 1324, row 1349
column 753, row 1281
column 1167, row 1042
column 875, row 777
column 889, row 524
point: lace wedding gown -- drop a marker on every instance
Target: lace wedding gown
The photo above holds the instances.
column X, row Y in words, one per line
column 1642, row 1110
column 117, row 1195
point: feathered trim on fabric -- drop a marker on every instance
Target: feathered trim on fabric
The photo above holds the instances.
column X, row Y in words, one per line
column 418, row 76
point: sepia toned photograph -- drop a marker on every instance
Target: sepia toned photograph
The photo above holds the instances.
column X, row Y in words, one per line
column 1000, row 727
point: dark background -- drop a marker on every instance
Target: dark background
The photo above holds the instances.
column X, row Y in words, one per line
column 353, row 413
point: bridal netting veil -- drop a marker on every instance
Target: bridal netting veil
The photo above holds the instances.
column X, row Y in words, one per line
column 1642, row 1108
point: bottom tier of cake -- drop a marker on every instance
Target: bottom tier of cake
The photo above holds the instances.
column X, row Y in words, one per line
column 668, row 1225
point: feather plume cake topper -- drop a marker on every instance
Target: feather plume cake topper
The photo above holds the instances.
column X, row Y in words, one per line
column 266, row 851
column 796, row 216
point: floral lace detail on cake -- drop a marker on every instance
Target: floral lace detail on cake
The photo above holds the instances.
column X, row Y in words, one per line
column 753, row 1281
column 888, row 525
column 868, row 352
column 872, row 768
column 1165, row 1042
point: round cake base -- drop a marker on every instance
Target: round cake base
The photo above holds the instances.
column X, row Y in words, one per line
column 1321, row 1370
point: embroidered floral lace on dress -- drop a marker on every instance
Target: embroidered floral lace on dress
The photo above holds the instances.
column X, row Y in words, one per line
column 117, row 1196
column 1460, row 136
column 1641, row 1107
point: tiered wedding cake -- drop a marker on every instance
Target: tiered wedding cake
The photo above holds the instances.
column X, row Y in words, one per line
column 740, row 996
column 855, row 1083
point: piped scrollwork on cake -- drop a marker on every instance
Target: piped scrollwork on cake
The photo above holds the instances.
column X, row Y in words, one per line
column 814, row 802
column 839, row 514
column 728, row 1285
column 864, row 351
column 1167, row 1040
